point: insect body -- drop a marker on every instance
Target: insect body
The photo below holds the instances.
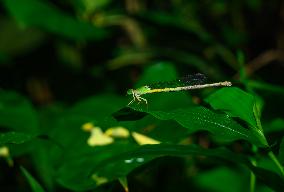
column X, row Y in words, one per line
column 136, row 93
column 186, row 85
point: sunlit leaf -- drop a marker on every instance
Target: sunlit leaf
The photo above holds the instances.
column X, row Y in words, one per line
column 200, row 118
column 238, row 103
column 235, row 102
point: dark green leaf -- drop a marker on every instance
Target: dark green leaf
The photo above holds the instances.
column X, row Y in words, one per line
column 276, row 125
column 42, row 14
column 75, row 172
column 99, row 106
column 120, row 163
column 36, row 187
column 259, row 85
column 124, row 163
column 281, row 152
column 157, row 72
column 17, row 113
column 14, row 40
column 14, row 138
column 191, row 26
column 200, row 118
column 231, row 180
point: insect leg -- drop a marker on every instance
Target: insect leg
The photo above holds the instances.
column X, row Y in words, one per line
column 134, row 98
column 131, row 102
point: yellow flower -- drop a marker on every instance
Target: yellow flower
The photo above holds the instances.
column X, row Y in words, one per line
column 98, row 138
column 88, row 127
column 119, row 132
column 4, row 151
column 143, row 139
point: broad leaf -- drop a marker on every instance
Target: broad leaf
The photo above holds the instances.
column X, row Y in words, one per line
column 157, row 72
column 124, row 163
column 235, row 102
column 110, row 166
column 238, row 103
column 98, row 106
column 200, row 118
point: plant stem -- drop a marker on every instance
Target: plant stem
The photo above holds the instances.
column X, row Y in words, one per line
column 252, row 182
column 252, row 177
column 270, row 153
column 277, row 163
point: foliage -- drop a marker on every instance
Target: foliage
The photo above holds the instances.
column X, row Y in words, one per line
column 65, row 68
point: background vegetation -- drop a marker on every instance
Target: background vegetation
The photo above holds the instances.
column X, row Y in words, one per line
column 65, row 67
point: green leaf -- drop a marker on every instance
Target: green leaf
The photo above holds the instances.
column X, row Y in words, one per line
column 17, row 113
column 75, row 171
column 78, row 172
column 157, row 72
column 14, row 138
column 124, row 163
column 42, row 14
column 276, row 125
column 36, row 187
column 238, row 103
column 235, row 102
column 99, row 106
column 201, row 118
column 232, row 181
